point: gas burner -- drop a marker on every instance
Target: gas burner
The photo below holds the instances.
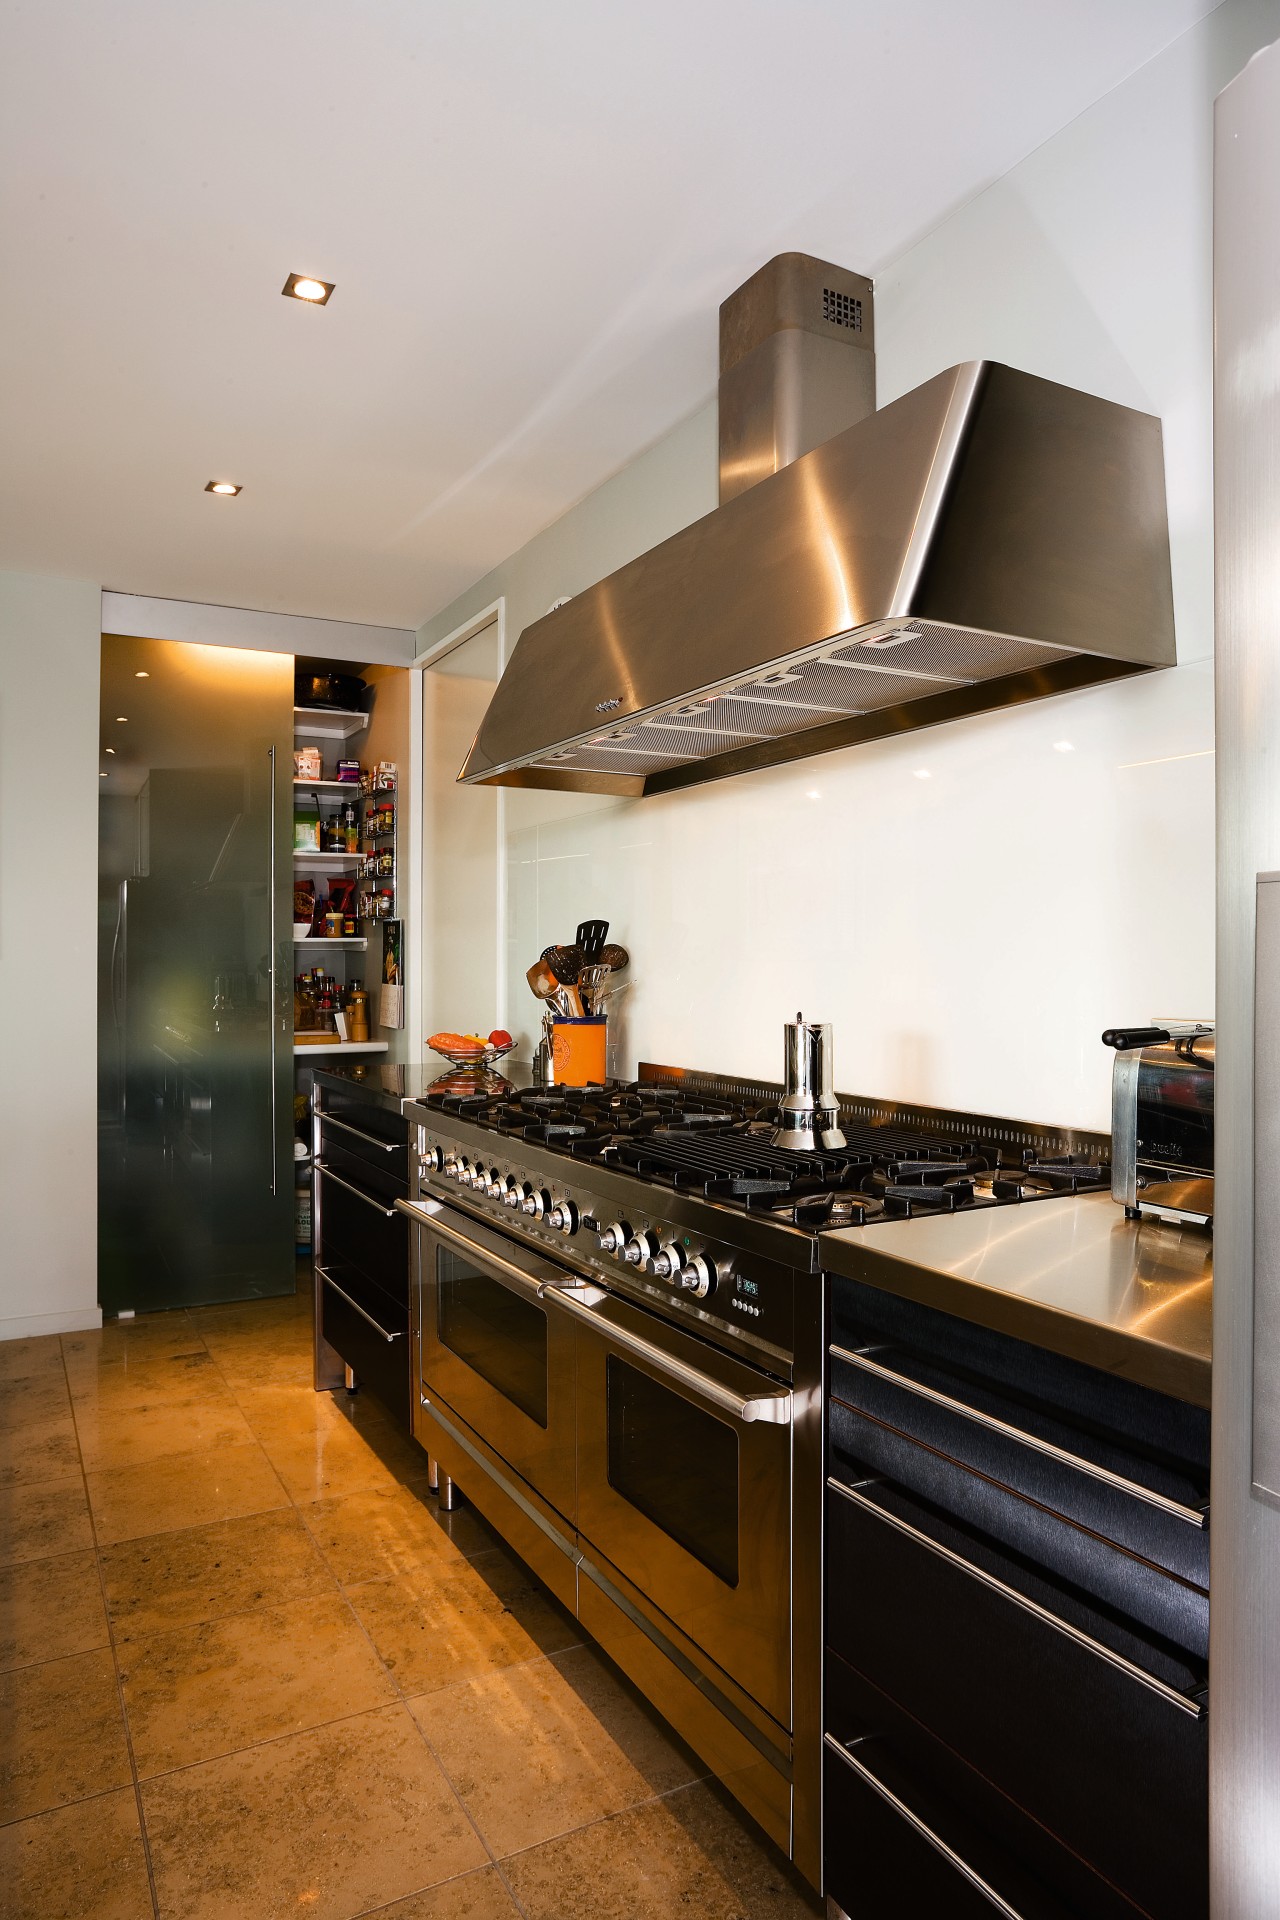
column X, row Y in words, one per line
column 1068, row 1173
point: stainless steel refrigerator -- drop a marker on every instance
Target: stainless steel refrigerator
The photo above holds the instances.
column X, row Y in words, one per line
column 1244, row 1740
column 195, row 1075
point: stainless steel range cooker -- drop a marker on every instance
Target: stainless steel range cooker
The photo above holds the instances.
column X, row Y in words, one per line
column 619, row 1344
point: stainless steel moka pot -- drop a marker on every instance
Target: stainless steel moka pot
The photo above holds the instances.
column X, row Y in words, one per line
column 809, row 1116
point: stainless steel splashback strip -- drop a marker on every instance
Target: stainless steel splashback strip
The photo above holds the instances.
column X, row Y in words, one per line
column 987, row 1129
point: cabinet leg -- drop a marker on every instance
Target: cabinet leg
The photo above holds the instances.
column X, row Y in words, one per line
column 349, row 1379
column 449, row 1495
column 433, row 1473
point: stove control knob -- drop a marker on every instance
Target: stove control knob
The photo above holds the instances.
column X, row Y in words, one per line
column 614, row 1238
column 564, row 1217
column 667, row 1262
column 450, row 1165
column 512, row 1196
column 497, row 1186
column 478, row 1178
column 537, row 1202
column 698, row 1276
column 641, row 1247
column 432, row 1160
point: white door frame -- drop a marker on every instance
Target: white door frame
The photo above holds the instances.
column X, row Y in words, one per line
column 495, row 611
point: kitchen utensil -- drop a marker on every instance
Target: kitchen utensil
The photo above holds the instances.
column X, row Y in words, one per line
column 810, row 1117
column 564, row 962
column 591, row 937
column 567, row 1002
column 614, row 957
column 541, row 980
column 590, row 981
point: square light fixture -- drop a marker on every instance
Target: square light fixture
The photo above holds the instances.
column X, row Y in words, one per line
column 222, row 486
column 304, row 286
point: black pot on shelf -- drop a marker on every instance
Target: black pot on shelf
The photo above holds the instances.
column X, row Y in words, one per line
column 343, row 691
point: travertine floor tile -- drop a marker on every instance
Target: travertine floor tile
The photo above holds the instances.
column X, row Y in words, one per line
column 36, row 1521
column 63, row 1734
column 81, row 1863
column 183, row 1490
column 476, row 1896
column 49, row 1609
column 113, row 1434
column 155, row 1336
column 380, row 1532
column 440, row 1627
column 44, row 1449
column 206, row 1690
column 169, row 1580
column 672, row 1856
column 330, row 1823
column 548, row 1746
column 36, row 1397
column 30, row 1359
column 335, row 1459
column 144, row 1381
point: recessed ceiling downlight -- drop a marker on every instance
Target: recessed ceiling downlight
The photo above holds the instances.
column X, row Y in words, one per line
column 221, row 486
column 302, row 286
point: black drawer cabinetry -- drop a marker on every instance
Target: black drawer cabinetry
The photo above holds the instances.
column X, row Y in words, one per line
column 1017, row 1612
column 362, row 1243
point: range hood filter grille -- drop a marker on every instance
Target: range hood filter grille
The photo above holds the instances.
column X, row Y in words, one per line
column 861, row 676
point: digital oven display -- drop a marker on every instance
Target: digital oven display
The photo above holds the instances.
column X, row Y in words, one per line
column 750, row 1287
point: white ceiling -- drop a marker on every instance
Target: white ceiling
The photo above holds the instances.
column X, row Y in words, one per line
column 531, row 211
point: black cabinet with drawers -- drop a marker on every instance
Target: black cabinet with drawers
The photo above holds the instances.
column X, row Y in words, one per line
column 1017, row 1628
column 361, row 1158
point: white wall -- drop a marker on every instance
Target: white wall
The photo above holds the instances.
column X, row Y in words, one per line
column 972, row 904
column 49, row 649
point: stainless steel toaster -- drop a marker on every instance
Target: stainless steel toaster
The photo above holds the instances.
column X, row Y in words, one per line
column 1162, row 1120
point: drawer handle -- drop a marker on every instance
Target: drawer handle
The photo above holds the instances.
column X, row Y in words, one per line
column 1193, row 1516
column 359, row 1192
column 900, row 1807
column 329, row 1281
column 370, row 1139
column 1194, row 1707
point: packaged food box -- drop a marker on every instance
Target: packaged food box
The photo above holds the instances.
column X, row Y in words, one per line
column 349, row 771
column 307, row 764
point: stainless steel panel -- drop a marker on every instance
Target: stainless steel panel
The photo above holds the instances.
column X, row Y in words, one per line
column 1071, row 1274
column 1266, row 1190
column 985, row 503
column 196, row 1070
column 1244, row 1740
column 544, row 1455
column 743, row 1616
column 797, row 365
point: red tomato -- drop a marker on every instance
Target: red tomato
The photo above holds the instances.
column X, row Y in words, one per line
column 500, row 1038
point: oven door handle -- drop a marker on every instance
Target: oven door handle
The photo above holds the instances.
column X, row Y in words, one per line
column 775, row 1408
column 512, row 1275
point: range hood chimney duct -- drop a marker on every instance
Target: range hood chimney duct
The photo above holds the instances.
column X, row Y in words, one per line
column 797, row 365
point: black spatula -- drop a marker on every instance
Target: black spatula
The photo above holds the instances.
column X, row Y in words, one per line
column 591, row 937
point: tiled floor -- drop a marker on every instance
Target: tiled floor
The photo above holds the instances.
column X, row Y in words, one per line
column 247, row 1670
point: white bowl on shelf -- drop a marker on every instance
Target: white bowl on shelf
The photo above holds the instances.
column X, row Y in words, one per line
column 302, row 929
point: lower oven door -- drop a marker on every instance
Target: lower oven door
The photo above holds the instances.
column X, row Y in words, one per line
column 491, row 1350
column 684, row 1484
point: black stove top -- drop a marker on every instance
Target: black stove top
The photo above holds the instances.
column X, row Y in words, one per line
column 722, row 1148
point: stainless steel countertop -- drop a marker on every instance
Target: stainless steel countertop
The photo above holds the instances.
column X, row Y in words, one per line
column 1069, row 1274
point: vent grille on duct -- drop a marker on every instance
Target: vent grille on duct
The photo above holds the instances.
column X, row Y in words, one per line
column 851, row 677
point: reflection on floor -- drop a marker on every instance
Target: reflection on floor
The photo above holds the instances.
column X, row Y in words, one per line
column 247, row 1669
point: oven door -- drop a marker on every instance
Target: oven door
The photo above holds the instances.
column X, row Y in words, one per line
column 491, row 1350
column 684, row 1484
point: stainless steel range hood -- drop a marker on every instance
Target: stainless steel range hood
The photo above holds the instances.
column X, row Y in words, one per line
column 989, row 538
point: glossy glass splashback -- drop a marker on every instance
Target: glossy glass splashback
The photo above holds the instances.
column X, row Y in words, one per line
column 195, row 1065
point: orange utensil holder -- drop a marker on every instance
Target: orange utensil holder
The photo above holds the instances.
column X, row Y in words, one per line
column 578, row 1051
